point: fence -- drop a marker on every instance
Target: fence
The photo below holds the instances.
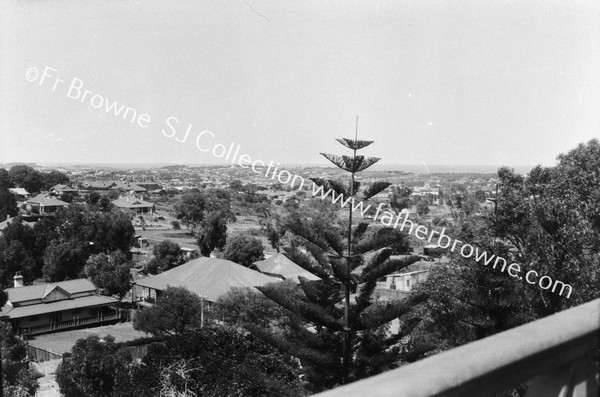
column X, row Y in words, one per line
column 46, row 362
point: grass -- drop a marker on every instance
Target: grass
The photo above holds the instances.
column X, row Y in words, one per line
column 63, row 342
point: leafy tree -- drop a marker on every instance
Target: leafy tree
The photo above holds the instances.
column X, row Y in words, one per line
column 8, row 204
column 64, row 261
column 18, row 379
column 190, row 210
column 54, row 178
column 216, row 361
column 111, row 273
column 105, row 204
column 26, row 177
column 244, row 250
column 400, row 198
column 272, row 225
column 5, row 181
column 176, row 310
column 246, row 307
column 422, row 207
column 480, row 195
column 93, row 198
column 167, row 255
column 547, row 222
column 98, row 368
column 351, row 340
column 236, row 185
column 212, row 233
column 17, row 253
column 67, row 197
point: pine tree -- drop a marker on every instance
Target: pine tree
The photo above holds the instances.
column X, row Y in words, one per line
column 350, row 338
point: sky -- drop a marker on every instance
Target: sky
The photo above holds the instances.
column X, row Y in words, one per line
column 436, row 82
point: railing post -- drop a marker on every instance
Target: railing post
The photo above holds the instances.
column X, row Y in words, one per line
column 575, row 379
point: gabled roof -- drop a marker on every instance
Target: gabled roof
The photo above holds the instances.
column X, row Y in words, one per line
column 64, row 188
column 32, row 292
column 210, row 277
column 58, row 306
column 280, row 265
column 46, row 201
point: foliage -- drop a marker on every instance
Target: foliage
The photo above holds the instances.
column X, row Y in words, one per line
column 26, row 177
column 8, row 204
column 176, row 310
column 190, row 210
column 167, row 255
column 53, row 178
column 216, row 361
column 17, row 378
column 271, row 224
column 213, row 232
column 17, row 253
column 246, row 307
column 350, row 338
column 244, row 250
column 64, row 261
column 547, row 222
column 422, row 207
column 110, row 273
column 98, row 368
column 5, row 181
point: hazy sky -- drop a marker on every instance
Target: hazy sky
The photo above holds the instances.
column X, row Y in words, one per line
column 441, row 82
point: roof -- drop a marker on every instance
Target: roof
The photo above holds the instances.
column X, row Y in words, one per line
column 128, row 186
column 131, row 202
column 47, row 201
column 57, row 306
column 4, row 224
column 279, row 264
column 31, row 292
column 19, row 191
column 210, row 277
column 65, row 188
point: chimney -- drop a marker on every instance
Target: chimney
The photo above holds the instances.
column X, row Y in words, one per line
column 18, row 280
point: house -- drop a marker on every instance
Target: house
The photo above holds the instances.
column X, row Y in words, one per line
column 44, row 204
column 60, row 189
column 134, row 204
column 206, row 277
column 405, row 282
column 43, row 308
column 280, row 266
column 9, row 220
column 128, row 187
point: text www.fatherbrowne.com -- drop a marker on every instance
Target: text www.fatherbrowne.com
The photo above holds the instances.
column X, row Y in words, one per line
column 231, row 152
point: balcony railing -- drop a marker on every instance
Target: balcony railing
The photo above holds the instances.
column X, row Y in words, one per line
column 68, row 324
column 554, row 355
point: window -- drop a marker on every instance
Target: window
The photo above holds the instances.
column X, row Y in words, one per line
column 34, row 318
column 407, row 283
column 75, row 311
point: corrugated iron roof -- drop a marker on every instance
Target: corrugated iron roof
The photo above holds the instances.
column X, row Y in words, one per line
column 58, row 306
column 32, row 292
column 210, row 277
column 283, row 266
